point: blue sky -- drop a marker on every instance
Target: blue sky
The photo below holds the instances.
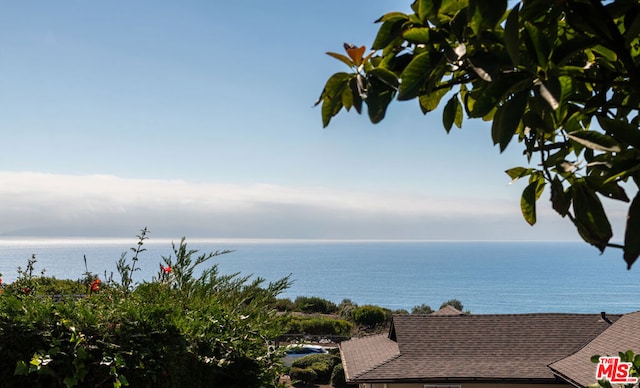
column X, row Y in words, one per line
column 196, row 118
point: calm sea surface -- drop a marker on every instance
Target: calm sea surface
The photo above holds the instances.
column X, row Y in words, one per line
column 488, row 277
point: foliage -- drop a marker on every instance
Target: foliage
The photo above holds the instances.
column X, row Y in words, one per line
column 453, row 303
column 370, row 316
column 307, row 375
column 321, row 364
column 127, row 269
column 177, row 330
column 560, row 77
column 314, row 304
column 338, row 378
column 345, row 309
column 318, row 325
column 422, row 309
column 284, row 304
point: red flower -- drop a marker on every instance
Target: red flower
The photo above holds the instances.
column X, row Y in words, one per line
column 0, row 280
column 95, row 285
column 26, row 290
column 166, row 270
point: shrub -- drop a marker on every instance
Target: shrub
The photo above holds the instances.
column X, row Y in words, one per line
column 177, row 330
column 422, row 309
column 306, row 375
column 314, row 304
column 321, row 364
column 284, row 304
column 370, row 316
column 345, row 309
column 318, row 326
column 338, row 378
column 454, row 303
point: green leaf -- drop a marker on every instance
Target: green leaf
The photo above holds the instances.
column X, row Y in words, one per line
column 606, row 53
column 429, row 102
column 347, row 98
column 560, row 199
column 428, row 10
column 528, row 200
column 609, row 189
column 632, row 233
column 378, row 98
column 452, row 113
column 507, row 119
column 355, row 94
column 566, row 51
column 590, row 217
column 485, row 96
column 22, row 369
column 389, row 30
column 595, row 141
column 485, row 14
column 538, row 44
column 414, row 76
column 386, row 76
column 621, row 130
column 452, row 7
column 512, row 35
column 392, row 16
column 346, row 60
column 518, row 172
column 332, row 96
column 417, row 35
column 633, row 32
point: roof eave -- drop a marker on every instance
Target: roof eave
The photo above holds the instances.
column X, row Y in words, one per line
column 456, row 380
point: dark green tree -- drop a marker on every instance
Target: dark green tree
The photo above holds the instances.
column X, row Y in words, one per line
column 454, row 303
column 562, row 78
column 422, row 309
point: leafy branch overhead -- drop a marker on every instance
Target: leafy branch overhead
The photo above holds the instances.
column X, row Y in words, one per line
column 562, row 78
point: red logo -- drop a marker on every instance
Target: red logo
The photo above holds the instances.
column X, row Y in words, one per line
column 614, row 371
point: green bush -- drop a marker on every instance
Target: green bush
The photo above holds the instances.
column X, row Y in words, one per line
column 338, row 378
column 345, row 309
column 306, row 375
column 283, row 304
column 318, row 326
column 177, row 330
column 321, row 364
column 370, row 316
column 313, row 304
column 454, row 303
column 422, row 309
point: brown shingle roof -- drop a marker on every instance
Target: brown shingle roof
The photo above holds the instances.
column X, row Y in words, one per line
column 448, row 310
column 623, row 335
column 364, row 354
column 473, row 347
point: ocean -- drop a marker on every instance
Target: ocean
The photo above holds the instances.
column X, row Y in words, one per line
column 487, row 277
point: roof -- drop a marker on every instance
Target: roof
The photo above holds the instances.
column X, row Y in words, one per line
column 447, row 310
column 623, row 335
column 435, row 348
column 367, row 353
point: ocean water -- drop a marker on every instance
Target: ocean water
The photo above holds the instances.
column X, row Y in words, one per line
column 488, row 277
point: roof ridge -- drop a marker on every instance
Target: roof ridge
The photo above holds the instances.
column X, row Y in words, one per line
column 394, row 357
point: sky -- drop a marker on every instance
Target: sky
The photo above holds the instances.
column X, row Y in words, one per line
column 196, row 118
